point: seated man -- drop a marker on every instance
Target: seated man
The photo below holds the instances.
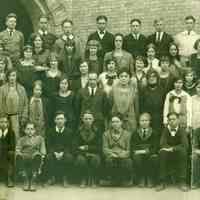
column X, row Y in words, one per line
column 7, row 151
column 87, row 150
column 59, row 143
column 144, row 146
column 30, row 152
column 116, row 152
column 195, row 181
column 173, row 152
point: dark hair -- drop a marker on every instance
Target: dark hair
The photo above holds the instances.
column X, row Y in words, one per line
column 190, row 17
column 196, row 44
column 101, row 17
column 33, row 39
column 135, row 20
column 67, row 21
column 37, row 82
column 178, row 78
column 27, row 47
column 30, row 122
column 170, row 56
column 44, row 16
column 4, row 60
column 53, row 54
column 108, row 61
column 143, row 59
column 152, row 71
column 172, row 113
column 93, row 43
column 11, row 15
column 158, row 20
column 87, row 112
column 145, row 113
column 151, row 45
column 124, row 70
column 164, row 59
column 10, row 71
column 64, row 77
column 59, row 112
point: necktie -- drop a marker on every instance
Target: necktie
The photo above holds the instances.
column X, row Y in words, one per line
column 92, row 92
column 188, row 32
column 11, row 33
column 143, row 133
column 158, row 36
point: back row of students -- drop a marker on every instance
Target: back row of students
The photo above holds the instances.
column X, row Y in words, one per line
column 116, row 87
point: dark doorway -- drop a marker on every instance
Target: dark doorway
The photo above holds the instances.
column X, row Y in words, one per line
column 24, row 22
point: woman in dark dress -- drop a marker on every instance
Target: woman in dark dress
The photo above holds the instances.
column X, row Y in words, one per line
column 26, row 70
column 51, row 78
column 64, row 101
column 152, row 100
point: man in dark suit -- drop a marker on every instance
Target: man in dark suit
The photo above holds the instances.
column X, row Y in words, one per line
column 173, row 152
column 135, row 42
column 106, row 38
column 94, row 99
column 160, row 38
column 59, row 150
column 7, row 151
column 48, row 38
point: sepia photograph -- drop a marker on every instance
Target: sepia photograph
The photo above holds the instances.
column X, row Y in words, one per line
column 99, row 99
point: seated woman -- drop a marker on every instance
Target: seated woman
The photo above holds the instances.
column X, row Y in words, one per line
column 30, row 151
column 87, row 147
column 108, row 78
column 144, row 147
column 93, row 56
column 7, row 151
column 116, row 153
column 26, row 69
column 3, row 53
column 51, row 77
column 123, row 58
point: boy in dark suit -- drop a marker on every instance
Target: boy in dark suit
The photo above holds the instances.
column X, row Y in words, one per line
column 173, row 152
column 59, row 149
column 30, row 152
column 7, row 151
column 160, row 38
column 144, row 146
column 135, row 42
column 87, row 150
column 105, row 38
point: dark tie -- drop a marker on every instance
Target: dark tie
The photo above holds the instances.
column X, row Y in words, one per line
column 158, row 38
column 92, row 92
column 144, row 133
column 11, row 33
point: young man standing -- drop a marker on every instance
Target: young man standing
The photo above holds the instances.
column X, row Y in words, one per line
column 13, row 39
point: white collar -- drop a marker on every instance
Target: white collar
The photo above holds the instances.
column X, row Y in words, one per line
column 173, row 133
column 9, row 30
column 41, row 32
column 191, row 32
column 65, row 37
column 3, row 133
column 99, row 32
column 60, row 131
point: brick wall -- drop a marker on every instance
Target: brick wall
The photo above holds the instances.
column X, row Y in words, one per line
column 84, row 12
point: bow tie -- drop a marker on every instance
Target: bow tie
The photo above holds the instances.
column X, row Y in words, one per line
column 111, row 77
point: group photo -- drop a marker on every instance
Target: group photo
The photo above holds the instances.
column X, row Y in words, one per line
column 117, row 110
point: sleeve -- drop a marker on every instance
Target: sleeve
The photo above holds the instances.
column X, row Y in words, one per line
column 189, row 111
column 21, row 42
column 24, row 114
column 19, row 146
column 163, row 140
column 166, row 108
column 43, row 147
column 12, row 142
column 136, row 104
column 126, row 152
column 183, row 143
column 195, row 139
column 106, row 149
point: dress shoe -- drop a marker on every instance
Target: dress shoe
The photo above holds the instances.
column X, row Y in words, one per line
column 183, row 187
column 26, row 183
column 10, row 182
column 33, row 182
column 161, row 187
column 65, row 182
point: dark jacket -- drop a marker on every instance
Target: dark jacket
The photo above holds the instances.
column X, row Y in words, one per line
column 162, row 46
column 133, row 46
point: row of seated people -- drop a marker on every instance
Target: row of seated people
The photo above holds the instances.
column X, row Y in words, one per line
column 117, row 155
